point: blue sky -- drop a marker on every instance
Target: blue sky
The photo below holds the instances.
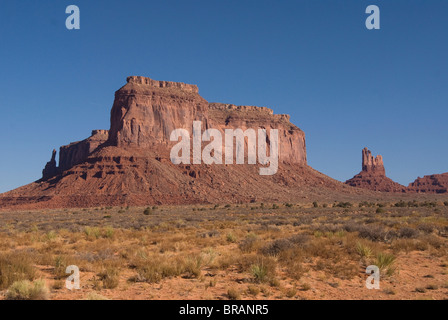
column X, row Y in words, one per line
column 345, row 86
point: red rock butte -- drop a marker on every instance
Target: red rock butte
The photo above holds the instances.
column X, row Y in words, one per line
column 129, row 164
column 373, row 175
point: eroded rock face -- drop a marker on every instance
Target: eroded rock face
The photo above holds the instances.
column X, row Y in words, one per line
column 77, row 152
column 435, row 183
column 373, row 175
column 372, row 164
column 130, row 163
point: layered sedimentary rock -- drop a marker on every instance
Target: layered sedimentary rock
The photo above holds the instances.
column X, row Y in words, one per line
column 373, row 175
column 77, row 152
column 435, row 183
column 129, row 164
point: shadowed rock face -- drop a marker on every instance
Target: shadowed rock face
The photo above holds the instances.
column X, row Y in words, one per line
column 50, row 169
column 373, row 175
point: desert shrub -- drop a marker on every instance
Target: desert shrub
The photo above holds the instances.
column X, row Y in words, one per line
column 275, row 206
column 95, row 296
column 400, row 204
column 253, row 290
column 429, row 204
column 233, row 294
column 109, row 278
column 276, row 247
column 363, row 250
column 227, row 206
column 192, row 266
column 371, row 232
column 249, row 244
column 147, row 211
column 380, row 210
column 426, row 227
column 343, row 205
column 26, row 290
column 445, row 203
column 406, row 245
column 315, row 204
column 263, row 269
column 291, row 292
column 15, row 267
column 231, row 238
column 289, row 205
column 92, row 233
column 406, row 232
column 385, row 262
column 366, row 204
column 154, row 268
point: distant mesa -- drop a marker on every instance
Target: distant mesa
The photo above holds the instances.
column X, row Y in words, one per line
column 435, row 183
column 373, row 175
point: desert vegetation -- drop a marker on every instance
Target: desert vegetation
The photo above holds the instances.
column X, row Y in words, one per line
column 228, row 251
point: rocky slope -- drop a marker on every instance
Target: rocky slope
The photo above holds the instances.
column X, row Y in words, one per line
column 129, row 164
column 436, row 183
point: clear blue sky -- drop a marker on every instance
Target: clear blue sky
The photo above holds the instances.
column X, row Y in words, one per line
column 345, row 86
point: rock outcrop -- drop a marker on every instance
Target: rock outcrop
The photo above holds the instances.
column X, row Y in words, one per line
column 435, row 183
column 129, row 164
column 50, row 169
column 373, row 175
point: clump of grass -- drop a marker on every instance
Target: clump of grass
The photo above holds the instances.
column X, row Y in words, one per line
column 259, row 272
column 263, row 270
column 233, row 294
column 15, row 267
column 253, row 290
column 92, row 232
column 291, row 292
column 109, row 278
column 249, row 244
column 231, row 238
column 26, row 290
column 385, row 262
column 192, row 267
column 305, row 287
column 363, row 250
column 95, row 296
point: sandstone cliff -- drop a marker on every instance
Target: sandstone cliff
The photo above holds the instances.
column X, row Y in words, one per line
column 129, row 164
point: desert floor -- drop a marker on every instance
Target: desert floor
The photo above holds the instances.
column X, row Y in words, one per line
column 247, row 251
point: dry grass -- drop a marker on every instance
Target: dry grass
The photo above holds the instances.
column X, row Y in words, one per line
column 237, row 252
